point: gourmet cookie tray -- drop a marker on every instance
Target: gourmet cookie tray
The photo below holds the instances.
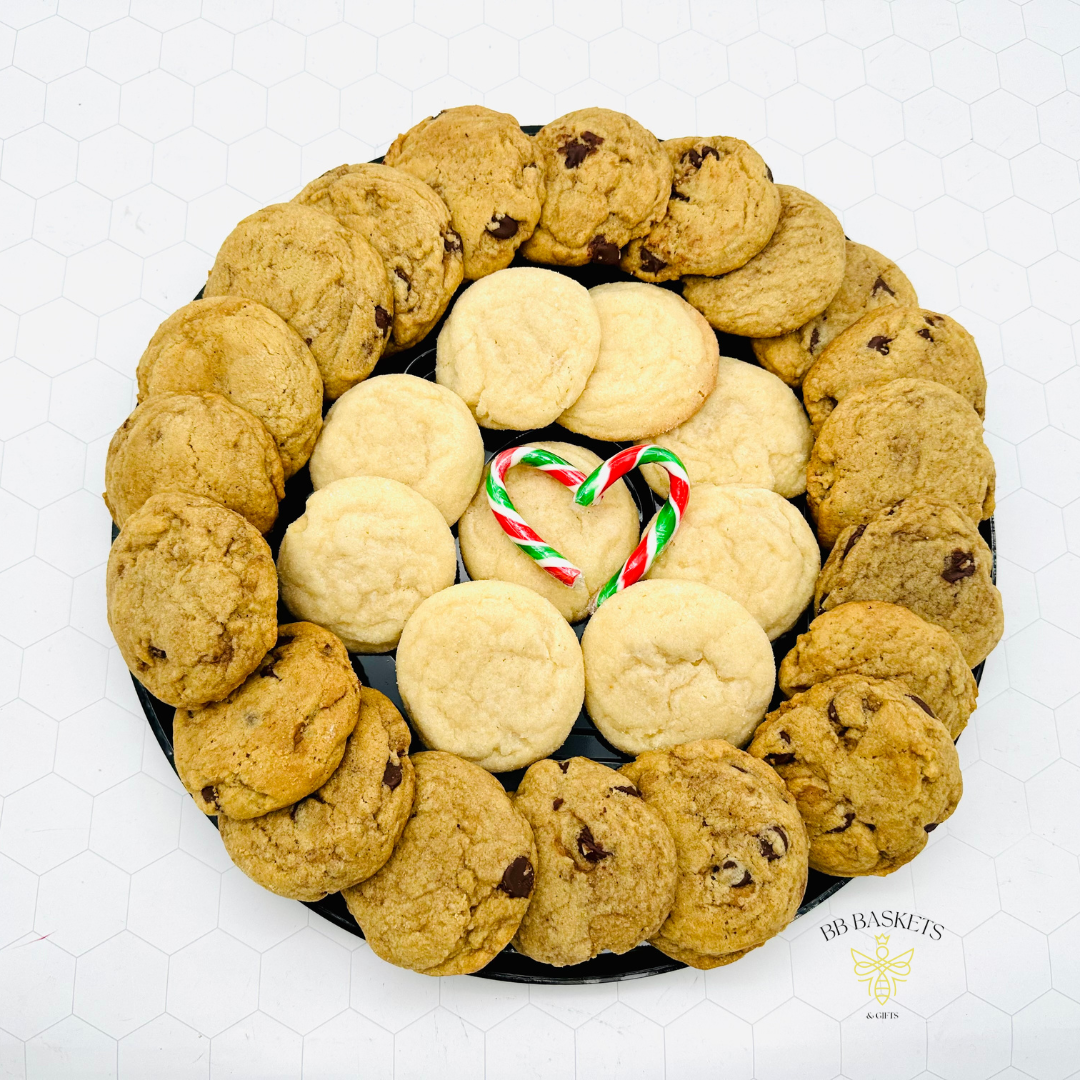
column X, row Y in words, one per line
column 379, row 671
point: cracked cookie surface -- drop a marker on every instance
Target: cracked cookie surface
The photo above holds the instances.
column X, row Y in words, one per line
column 895, row 343
column 241, row 349
column 750, row 544
column 925, row 555
column 199, row 443
column 605, row 871
column 792, row 279
column 326, row 281
column 885, row 641
column 608, row 181
column 408, row 224
column 656, row 366
column 597, row 539
column 870, row 281
column 344, row 831
column 751, row 429
column 670, row 661
column 492, row 672
column 740, row 844
column 192, row 598
column 888, row 441
column 457, row 885
column 518, row 347
column 486, row 170
column 407, row 429
column 278, row 736
column 721, row 211
column 363, row 556
column 871, row 771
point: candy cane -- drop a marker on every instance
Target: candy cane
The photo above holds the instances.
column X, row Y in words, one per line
column 514, row 525
column 661, row 529
column 588, row 490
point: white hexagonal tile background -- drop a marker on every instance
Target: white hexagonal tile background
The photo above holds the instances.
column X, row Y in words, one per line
column 134, row 134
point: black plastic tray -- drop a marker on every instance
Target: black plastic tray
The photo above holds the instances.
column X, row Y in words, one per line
column 584, row 740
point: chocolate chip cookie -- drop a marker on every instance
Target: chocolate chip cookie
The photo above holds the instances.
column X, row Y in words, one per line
column 722, row 209
column 326, row 281
column 487, row 171
column 871, row 772
column 887, row 642
column 608, row 182
column 741, row 848
column 199, row 443
column 241, row 349
column 871, row 281
column 790, row 281
column 456, row 888
column 345, row 830
column 895, row 343
column 408, row 224
column 889, row 441
column 277, row 737
column 605, row 871
column 192, row 598
column 927, row 556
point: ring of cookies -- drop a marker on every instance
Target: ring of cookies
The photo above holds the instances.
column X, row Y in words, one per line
column 472, row 574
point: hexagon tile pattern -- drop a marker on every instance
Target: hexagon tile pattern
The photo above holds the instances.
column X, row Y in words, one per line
column 135, row 133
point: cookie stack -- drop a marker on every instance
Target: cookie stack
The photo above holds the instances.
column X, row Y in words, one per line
column 866, row 403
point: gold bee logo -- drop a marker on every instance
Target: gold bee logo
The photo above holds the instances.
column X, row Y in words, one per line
column 882, row 972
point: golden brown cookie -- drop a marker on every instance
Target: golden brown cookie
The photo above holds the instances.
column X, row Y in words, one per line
column 249, row 354
column 343, row 832
column 608, row 182
column 722, row 209
column 326, row 281
column 486, row 169
column 278, row 736
column 199, row 443
column 741, row 849
column 895, row 343
column 927, row 556
column 192, row 598
column 871, row 772
column 887, row 642
column 890, row 441
column 408, row 224
column 871, row 281
column 455, row 890
column 605, row 872
column 791, row 280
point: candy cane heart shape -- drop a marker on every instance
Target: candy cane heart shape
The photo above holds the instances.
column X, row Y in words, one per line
column 661, row 529
column 588, row 490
